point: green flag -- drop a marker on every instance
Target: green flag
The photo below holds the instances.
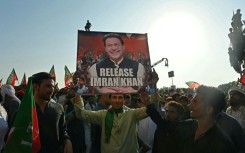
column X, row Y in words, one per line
column 24, row 135
column 52, row 73
column 12, row 78
column 68, row 77
column 192, row 84
column 23, row 82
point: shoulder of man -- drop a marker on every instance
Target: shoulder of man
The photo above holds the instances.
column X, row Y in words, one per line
column 243, row 112
column 188, row 125
column 12, row 103
column 54, row 103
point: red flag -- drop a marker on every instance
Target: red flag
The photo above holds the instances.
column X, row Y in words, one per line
column 242, row 80
column 24, row 135
column 23, row 82
column 36, row 143
column 68, row 77
column 52, row 73
column 12, row 78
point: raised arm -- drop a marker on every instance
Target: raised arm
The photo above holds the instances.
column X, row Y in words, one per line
column 154, row 99
column 94, row 117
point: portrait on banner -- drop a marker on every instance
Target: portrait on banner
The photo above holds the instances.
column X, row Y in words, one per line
column 112, row 62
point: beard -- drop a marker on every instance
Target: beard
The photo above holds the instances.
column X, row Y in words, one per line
column 232, row 103
column 47, row 97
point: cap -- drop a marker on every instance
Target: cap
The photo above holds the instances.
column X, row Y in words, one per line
column 236, row 89
column 7, row 90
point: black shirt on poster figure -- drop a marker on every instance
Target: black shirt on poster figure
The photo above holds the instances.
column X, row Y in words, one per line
column 116, row 74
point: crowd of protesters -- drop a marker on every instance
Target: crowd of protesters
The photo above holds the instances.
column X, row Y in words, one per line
column 208, row 121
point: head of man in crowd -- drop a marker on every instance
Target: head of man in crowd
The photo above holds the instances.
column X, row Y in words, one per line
column 104, row 100
column 7, row 92
column 175, row 97
column 89, row 99
column 207, row 102
column 43, row 85
column 117, row 100
column 236, row 97
column 127, row 98
column 174, row 111
column 184, row 101
column 114, row 46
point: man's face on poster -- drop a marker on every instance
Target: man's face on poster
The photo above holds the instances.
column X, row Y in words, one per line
column 114, row 49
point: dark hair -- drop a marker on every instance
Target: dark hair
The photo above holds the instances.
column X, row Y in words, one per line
column 184, row 98
column 116, row 94
column 113, row 35
column 39, row 77
column 180, row 109
column 213, row 97
column 175, row 96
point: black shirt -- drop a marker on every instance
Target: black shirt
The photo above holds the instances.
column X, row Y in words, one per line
column 52, row 128
column 212, row 141
column 181, row 136
column 231, row 126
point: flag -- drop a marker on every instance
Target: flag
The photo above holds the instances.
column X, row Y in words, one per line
column 242, row 80
column 52, row 73
column 68, row 77
column 12, row 78
column 24, row 135
column 1, row 82
column 23, row 82
column 192, row 84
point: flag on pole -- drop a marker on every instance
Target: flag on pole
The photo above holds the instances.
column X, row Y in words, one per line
column 24, row 135
column 1, row 82
column 192, row 84
column 52, row 73
column 12, row 78
column 23, row 82
column 68, row 77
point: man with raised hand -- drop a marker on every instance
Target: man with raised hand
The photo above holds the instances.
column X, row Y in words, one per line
column 119, row 125
column 202, row 134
